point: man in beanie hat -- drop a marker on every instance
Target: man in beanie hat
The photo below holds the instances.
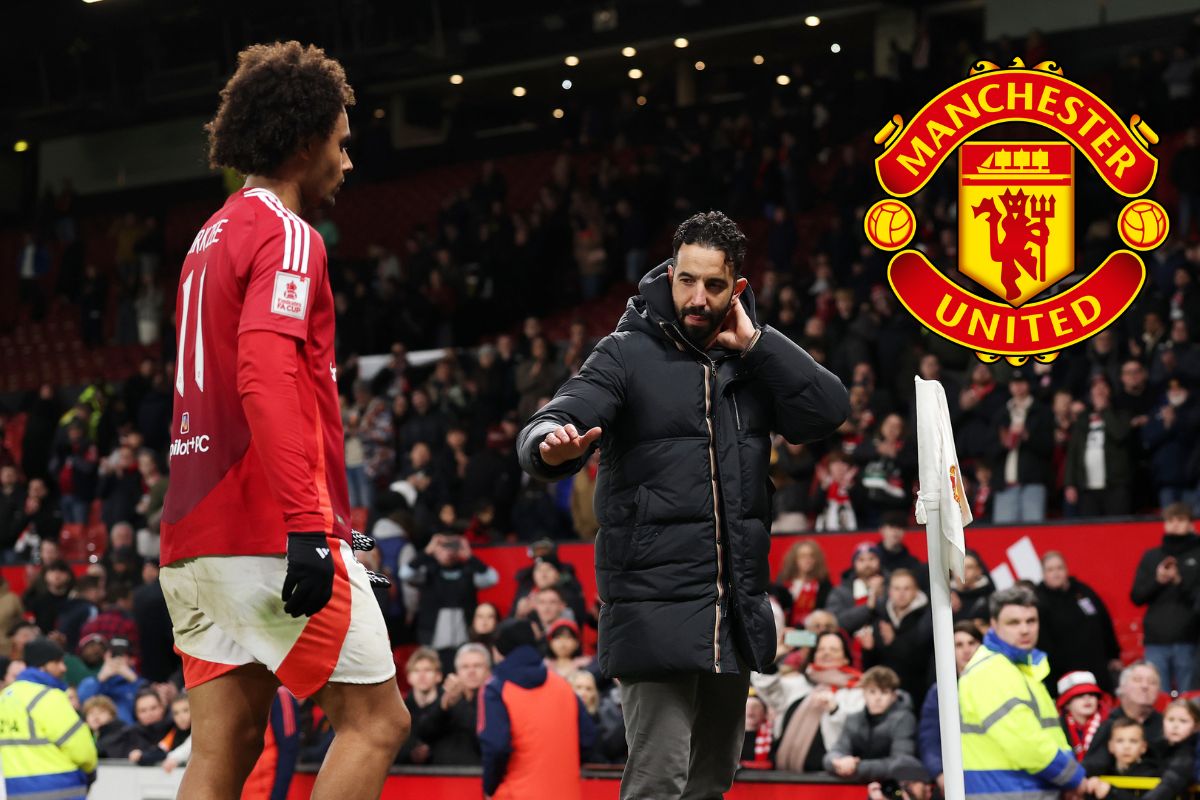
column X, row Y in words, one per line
column 48, row 751
column 1079, row 704
column 525, row 704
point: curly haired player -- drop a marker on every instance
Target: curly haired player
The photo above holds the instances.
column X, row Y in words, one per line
column 260, row 577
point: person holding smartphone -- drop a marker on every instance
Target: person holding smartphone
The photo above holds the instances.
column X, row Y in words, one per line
column 684, row 396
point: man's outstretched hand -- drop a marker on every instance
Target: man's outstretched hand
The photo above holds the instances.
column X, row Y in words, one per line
column 564, row 444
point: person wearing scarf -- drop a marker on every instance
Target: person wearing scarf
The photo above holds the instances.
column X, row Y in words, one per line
column 821, row 715
column 1012, row 742
column 1080, row 704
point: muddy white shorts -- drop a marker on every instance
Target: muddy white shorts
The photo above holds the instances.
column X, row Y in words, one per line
column 227, row 611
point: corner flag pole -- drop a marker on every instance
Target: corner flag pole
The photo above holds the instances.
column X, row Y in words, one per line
column 941, row 508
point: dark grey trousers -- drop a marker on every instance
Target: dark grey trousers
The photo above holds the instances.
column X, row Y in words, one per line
column 685, row 735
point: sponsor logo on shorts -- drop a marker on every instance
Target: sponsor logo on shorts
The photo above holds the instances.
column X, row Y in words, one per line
column 323, row 552
column 185, row 447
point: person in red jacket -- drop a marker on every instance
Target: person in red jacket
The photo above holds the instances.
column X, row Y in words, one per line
column 532, row 727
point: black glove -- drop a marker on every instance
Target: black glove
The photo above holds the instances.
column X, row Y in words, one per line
column 308, row 584
column 364, row 543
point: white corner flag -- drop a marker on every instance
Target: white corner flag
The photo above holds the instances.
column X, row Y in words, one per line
column 942, row 507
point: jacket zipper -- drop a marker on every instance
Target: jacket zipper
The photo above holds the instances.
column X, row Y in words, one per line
column 736, row 414
column 710, row 374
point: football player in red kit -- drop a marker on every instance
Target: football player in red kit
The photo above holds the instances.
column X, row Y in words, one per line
column 259, row 574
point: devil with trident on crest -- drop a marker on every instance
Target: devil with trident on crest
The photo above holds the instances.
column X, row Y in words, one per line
column 1023, row 248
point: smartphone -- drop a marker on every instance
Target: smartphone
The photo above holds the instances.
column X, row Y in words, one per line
column 800, row 639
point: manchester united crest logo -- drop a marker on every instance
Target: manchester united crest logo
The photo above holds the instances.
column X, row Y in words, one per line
column 1016, row 212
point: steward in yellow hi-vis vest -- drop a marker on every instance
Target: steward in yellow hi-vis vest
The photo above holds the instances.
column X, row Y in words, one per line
column 47, row 751
column 1013, row 745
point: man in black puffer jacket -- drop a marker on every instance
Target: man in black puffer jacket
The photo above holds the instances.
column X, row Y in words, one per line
column 685, row 394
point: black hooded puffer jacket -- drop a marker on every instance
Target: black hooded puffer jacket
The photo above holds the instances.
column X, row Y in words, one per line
column 681, row 556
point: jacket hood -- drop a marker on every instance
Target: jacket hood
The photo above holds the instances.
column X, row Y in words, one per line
column 653, row 307
column 523, row 666
column 41, row 677
column 895, row 617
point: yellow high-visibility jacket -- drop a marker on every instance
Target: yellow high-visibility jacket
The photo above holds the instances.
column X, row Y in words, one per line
column 46, row 748
column 1012, row 741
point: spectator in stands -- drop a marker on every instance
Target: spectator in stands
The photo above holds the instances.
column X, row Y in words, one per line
column 12, row 510
column 549, row 607
column 1079, row 707
column 583, row 499
column 150, row 507
column 854, row 601
column 548, row 574
column 44, row 599
column 1076, row 631
column 120, row 487
column 121, row 562
column 1169, row 436
column 101, row 717
column 809, row 725
column 892, row 552
column 115, row 620
column 533, row 735
column 888, row 463
column 1007, row 747
column 179, row 750
column 11, row 613
column 837, row 498
column 424, row 674
column 537, row 377
column 1098, row 475
column 175, row 736
column 90, row 659
column 448, row 577
column 22, row 634
column 1020, row 456
column 81, row 608
column 565, row 648
column 967, row 640
column 1166, row 582
column 424, row 425
column 879, row 742
column 970, row 593
column 116, row 679
column 484, row 622
column 805, row 577
column 1126, row 759
column 75, row 464
column 40, row 521
column 1137, row 692
column 979, row 404
column 610, row 746
column 156, row 640
column 901, row 633
column 759, row 738
column 450, row 725
column 150, row 727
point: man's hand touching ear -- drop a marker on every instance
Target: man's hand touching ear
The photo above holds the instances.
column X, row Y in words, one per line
column 739, row 332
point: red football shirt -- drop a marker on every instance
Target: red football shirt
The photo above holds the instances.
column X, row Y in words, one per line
column 249, row 463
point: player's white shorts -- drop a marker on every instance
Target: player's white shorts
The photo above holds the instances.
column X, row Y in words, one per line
column 227, row 611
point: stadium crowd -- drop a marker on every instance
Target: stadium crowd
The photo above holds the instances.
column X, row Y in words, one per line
column 1108, row 429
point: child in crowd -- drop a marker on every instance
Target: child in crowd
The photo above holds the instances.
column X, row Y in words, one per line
column 756, row 748
column 1128, row 748
column 565, row 651
column 178, row 735
column 100, row 713
column 1079, row 706
column 424, row 673
column 1176, row 754
column 879, row 742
